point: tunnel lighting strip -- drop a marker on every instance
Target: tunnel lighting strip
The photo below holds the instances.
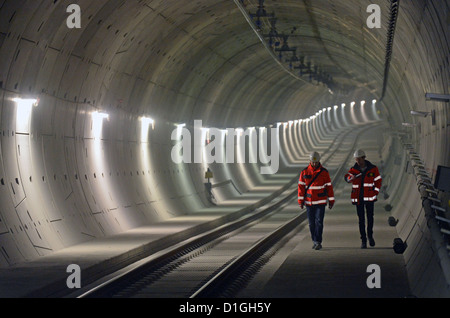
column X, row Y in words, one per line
column 97, row 123
column 322, row 113
column 145, row 126
column 30, row 101
column 24, row 110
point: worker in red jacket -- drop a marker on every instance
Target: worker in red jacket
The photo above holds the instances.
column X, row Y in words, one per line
column 314, row 188
column 366, row 184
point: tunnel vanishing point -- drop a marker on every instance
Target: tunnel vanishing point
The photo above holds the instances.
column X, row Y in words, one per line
column 97, row 97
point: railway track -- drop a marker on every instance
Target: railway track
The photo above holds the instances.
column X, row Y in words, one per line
column 184, row 270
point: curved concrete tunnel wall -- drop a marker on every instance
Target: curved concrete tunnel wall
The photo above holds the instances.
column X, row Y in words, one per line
column 177, row 62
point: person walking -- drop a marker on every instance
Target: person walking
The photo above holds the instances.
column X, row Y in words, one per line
column 314, row 188
column 366, row 184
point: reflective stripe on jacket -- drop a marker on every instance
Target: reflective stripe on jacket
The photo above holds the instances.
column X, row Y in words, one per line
column 319, row 191
column 369, row 181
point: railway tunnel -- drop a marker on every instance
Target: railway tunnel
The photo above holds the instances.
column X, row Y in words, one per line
column 130, row 126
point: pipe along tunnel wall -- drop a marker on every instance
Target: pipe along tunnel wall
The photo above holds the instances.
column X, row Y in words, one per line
column 67, row 178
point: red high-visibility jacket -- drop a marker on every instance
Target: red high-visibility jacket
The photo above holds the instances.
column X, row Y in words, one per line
column 320, row 189
column 368, row 181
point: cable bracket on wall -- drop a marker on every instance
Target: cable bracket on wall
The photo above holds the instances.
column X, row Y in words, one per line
column 278, row 47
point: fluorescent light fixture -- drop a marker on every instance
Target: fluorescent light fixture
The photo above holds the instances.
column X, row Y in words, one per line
column 30, row 101
column 363, row 102
column 409, row 125
column 438, row 97
column 352, row 104
column 99, row 116
column 97, row 123
column 24, row 109
column 146, row 122
column 336, row 106
column 329, row 108
column 206, row 134
column 180, row 130
column 343, row 105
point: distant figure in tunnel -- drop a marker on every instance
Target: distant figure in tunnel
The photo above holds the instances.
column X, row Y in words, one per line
column 314, row 188
column 366, row 181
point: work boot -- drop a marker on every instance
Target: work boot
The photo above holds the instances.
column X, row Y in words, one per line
column 364, row 244
column 318, row 246
column 371, row 241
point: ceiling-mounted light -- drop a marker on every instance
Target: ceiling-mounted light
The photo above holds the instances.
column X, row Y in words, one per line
column 409, row 125
column 27, row 101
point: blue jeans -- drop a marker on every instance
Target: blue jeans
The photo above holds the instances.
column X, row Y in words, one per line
column 316, row 214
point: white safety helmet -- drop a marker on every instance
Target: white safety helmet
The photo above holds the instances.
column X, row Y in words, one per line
column 314, row 157
column 359, row 153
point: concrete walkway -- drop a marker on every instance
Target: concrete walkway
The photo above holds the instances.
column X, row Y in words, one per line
column 339, row 269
